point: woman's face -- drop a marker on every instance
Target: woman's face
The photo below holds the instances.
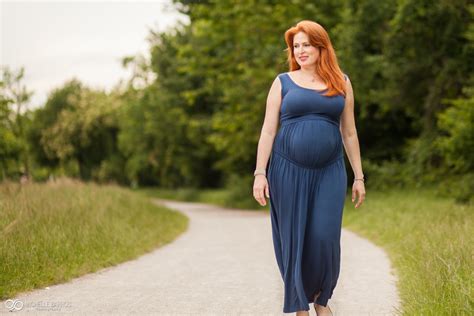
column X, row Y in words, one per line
column 304, row 52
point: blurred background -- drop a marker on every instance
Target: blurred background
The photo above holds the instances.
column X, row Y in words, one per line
column 173, row 94
column 104, row 105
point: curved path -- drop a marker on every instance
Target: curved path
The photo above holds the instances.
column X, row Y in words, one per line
column 223, row 265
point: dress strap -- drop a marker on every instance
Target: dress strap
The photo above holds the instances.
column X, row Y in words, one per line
column 284, row 84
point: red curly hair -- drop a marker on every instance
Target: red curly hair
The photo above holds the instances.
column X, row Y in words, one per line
column 327, row 66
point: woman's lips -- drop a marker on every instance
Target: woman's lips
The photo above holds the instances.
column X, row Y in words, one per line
column 303, row 58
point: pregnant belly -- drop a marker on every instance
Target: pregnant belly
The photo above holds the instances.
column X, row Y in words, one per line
column 309, row 143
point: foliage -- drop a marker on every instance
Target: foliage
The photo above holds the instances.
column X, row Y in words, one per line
column 78, row 126
column 191, row 115
column 14, row 120
column 457, row 144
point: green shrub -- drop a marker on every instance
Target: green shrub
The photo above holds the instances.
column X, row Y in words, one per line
column 240, row 192
column 457, row 145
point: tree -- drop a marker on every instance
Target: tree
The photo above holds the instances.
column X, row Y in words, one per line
column 14, row 97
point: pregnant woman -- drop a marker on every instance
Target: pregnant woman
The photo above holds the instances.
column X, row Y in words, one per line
column 305, row 178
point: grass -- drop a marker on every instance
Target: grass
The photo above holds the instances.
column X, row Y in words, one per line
column 429, row 239
column 212, row 196
column 52, row 233
column 243, row 199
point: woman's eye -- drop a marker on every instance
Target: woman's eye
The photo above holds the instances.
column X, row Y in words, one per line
column 305, row 45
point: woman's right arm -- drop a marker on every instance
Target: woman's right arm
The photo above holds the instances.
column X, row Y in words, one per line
column 265, row 143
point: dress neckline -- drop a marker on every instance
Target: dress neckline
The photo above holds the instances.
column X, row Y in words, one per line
column 317, row 90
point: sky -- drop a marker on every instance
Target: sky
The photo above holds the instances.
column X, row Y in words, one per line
column 58, row 40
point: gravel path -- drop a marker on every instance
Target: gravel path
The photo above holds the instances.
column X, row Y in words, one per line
column 223, row 265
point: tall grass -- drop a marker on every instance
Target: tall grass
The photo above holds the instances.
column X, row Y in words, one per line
column 430, row 241
column 51, row 233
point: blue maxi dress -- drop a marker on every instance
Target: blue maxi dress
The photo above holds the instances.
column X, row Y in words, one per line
column 307, row 183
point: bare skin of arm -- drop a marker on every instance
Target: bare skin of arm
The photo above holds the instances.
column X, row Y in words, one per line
column 265, row 143
column 351, row 144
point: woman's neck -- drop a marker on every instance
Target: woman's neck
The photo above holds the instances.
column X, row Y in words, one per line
column 309, row 71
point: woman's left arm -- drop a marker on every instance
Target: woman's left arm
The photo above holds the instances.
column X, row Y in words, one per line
column 351, row 144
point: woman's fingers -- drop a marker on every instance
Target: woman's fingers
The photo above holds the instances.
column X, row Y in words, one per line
column 260, row 190
column 361, row 197
column 261, row 199
column 258, row 194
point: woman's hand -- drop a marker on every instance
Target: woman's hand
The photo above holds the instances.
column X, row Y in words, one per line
column 260, row 187
column 358, row 189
